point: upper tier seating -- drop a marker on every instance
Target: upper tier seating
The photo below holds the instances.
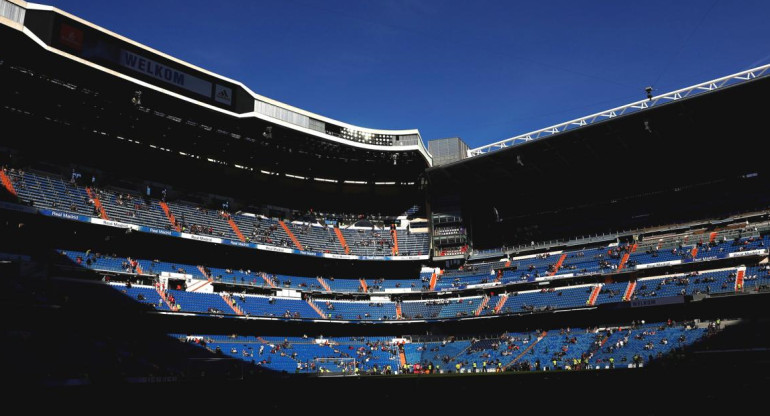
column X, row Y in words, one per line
column 56, row 193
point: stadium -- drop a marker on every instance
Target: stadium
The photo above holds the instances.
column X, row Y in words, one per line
column 184, row 232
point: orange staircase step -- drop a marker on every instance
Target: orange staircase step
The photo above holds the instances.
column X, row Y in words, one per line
column 267, row 280
column 229, row 301
column 623, row 261
column 739, row 278
column 291, row 235
column 235, row 228
column 97, row 203
column 363, row 285
column 317, row 309
column 163, row 296
column 169, row 215
column 398, row 310
column 341, row 239
column 501, row 303
column 7, row 183
column 480, row 309
column 594, row 294
column 629, row 291
column 203, row 272
column 558, row 264
column 433, row 279
column 694, row 252
column 394, row 234
column 526, row 350
column 324, row 284
column 402, row 358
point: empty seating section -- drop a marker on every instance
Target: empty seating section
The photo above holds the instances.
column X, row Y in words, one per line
column 262, row 230
column 530, row 267
column 98, row 262
column 103, row 262
column 199, row 220
column 562, row 346
column 460, row 282
column 647, row 342
column 275, row 307
column 558, row 349
column 316, row 238
column 199, row 302
column 142, row 294
column 611, row 292
column 132, row 209
column 344, row 285
column 382, row 285
column 302, row 355
column 588, row 261
column 241, row 277
column 460, row 307
column 52, row 192
column 368, row 241
column 412, row 244
column 354, row 311
column 722, row 281
column 542, row 300
column 421, row 309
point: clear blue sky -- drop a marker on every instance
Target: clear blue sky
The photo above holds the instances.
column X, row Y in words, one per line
column 481, row 70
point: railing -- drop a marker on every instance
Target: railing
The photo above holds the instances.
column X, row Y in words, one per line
column 652, row 101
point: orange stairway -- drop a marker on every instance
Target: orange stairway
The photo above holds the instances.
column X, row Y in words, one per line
column 526, row 350
column 623, row 261
column 324, row 284
column 712, row 237
column 501, row 303
column 594, row 294
column 163, row 296
column 558, row 264
column 402, row 357
column 138, row 267
column 739, row 278
column 629, row 291
column 394, row 234
column 694, row 252
column 433, row 279
column 7, row 183
column 203, row 272
column 398, row 310
column 341, row 239
column 363, row 285
column 97, row 203
column 291, row 235
column 317, row 309
column 231, row 303
column 267, row 280
column 235, row 228
column 480, row 309
column 169, row 215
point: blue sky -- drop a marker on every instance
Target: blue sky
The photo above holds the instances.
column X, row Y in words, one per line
column 481, row 70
